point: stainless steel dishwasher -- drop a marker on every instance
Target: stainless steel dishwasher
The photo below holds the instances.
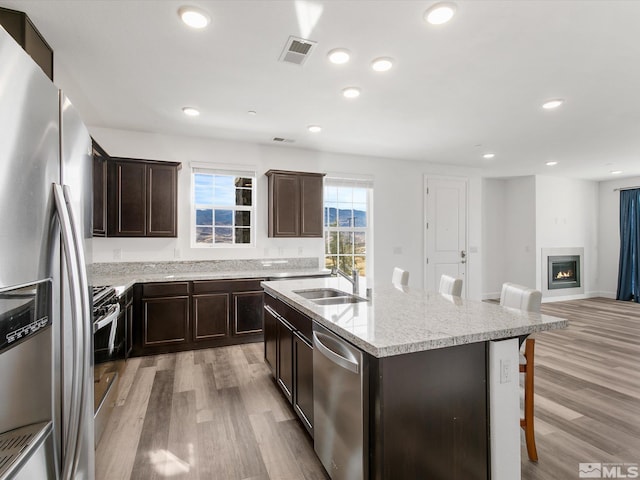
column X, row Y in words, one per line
column 340, row 406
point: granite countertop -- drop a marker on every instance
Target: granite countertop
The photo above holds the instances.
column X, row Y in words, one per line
column 123, row 281
column 410, row 320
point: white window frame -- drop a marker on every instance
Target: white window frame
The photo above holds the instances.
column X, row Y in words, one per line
column 342, row 180
column 212, row 169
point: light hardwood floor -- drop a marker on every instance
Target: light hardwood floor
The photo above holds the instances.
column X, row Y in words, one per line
column 216, row 413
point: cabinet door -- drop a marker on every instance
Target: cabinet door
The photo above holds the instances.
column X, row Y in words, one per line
column 285, row 359
column 284, row 212
column 211, row 316
column 165, row 320
column 270, row 340
column 129, row 322
column 127, row 199
column 162, row 185
column 303, row 381
column 311, row 208
column 99, row 194
column 247, row 312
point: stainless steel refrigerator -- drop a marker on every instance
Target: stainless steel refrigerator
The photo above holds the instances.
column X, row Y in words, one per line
column 46, row 358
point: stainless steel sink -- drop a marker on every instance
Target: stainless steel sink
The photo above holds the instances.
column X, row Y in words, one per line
column 320, row 293
column 339, row 300
column 329, row 296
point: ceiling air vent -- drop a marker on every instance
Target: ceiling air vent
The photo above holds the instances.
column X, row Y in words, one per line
column 297, row 50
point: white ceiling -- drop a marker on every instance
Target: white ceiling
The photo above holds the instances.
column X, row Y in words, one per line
column 456, row 91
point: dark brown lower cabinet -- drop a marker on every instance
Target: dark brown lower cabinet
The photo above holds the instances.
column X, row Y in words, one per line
column 126, row 311
column 285, row 358
column 247, row 312
column 177, row 316
column 129, row 316
column 303, row 380
column 210, row 316
column 165, row 320
column 288, row 351
column 270, row 329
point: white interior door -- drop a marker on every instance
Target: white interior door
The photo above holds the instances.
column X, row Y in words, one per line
column 445, row 230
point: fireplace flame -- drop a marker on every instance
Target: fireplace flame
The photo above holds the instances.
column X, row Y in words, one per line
column 563, row 275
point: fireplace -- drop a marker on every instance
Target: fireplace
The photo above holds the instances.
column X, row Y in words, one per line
column 563, row 271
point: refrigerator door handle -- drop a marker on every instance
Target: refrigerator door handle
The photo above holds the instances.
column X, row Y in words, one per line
column 83, row 326
column 71, row 446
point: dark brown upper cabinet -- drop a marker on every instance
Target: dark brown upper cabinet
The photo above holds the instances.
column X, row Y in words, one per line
column 142, row 198
column 295, row 204
column 18, row 25
column 99, row 191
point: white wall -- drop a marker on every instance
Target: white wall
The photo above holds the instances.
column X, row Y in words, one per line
column 523, row 215
column 398, row 202
column 520, row 231
column 609, row 234
column 567, row 216
column 493, row 236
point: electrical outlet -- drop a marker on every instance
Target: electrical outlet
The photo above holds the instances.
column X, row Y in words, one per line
column 505, row 371
column 300, row 250
column 176, row 253
column 117, row 254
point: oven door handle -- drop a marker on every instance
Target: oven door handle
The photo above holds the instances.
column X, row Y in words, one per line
column 106, row 319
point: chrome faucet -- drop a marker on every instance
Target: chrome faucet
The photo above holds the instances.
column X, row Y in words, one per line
column 353, row 278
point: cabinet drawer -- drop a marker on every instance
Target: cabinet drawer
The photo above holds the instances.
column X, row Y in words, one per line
column 300, row 322
column 165, row 289
column 297, row 320
column 212, row 286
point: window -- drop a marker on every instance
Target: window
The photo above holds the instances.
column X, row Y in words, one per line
column 223, row 208
column 347, row 218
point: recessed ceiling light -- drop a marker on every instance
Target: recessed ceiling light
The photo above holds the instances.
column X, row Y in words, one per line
column 551, row 164
column 339, row 56
column 252, row 112
column 314, row 128
column 190, row 111
column 351, row 92
column 440, row 13
column 194, row 17
column 488, row 155
column 382, row 64
column 616, row 172
column 551, row 104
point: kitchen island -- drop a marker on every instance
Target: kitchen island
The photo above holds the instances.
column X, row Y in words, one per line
column 439, row 375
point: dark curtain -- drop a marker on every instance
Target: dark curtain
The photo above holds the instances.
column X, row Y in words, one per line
column 629, row 268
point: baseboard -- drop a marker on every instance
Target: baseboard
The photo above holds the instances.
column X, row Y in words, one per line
column 611, row 295
column 567, row 298
column 491, row 296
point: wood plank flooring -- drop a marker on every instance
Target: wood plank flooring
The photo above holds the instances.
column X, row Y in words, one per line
column 587, row 389
column 216, row 413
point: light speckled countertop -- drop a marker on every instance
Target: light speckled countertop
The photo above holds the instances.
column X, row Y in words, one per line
column 396, row 321
column 122, row 281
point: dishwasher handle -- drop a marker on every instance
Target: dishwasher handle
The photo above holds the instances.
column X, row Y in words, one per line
column 347, row 363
